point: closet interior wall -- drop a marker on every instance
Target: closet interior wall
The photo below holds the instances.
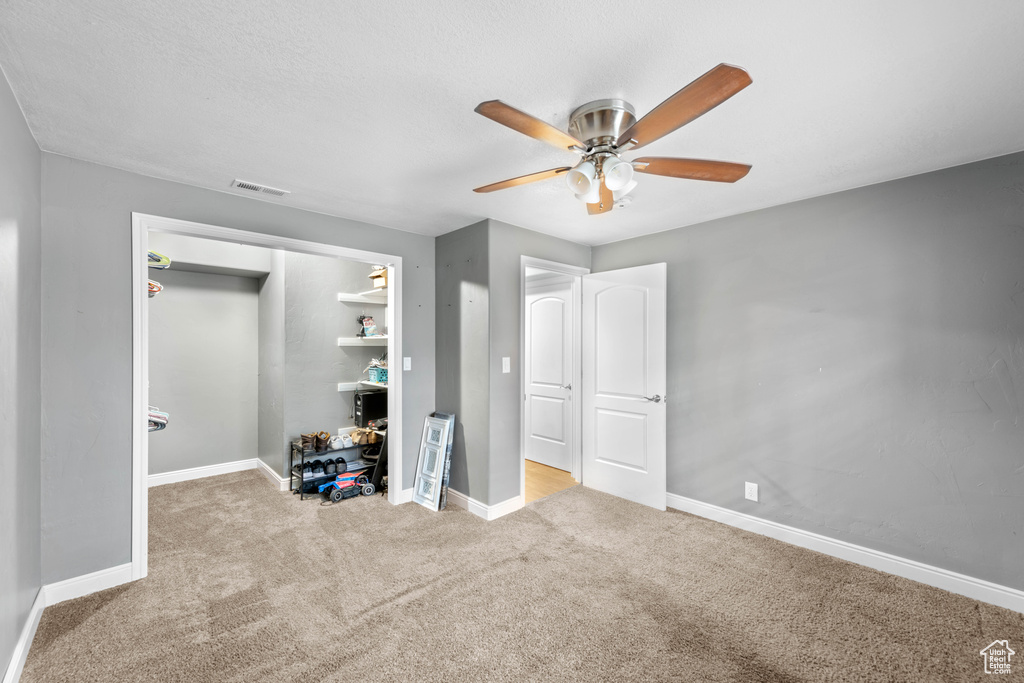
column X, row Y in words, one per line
column 314, row 363
column 203, row 369
column 203, row 351
column 244, row 350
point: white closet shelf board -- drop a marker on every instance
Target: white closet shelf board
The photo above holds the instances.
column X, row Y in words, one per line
column 374, row 296
column 348, row 386
column 142, row 225
column 378, row 385
column 363, row 341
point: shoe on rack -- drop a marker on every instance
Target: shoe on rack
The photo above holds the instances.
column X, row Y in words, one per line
column 307, row 471
column 308, row 441
column 330, row 467
column 318, row 468
column 321, row 441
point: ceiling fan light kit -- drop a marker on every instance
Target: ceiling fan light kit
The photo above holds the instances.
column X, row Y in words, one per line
column 619, row 194
column 591, row 195
column 617, row 173
column 600, row 131
column 581, row 178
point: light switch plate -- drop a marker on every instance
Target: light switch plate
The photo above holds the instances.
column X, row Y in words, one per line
column 407, row 363
column 506, row 364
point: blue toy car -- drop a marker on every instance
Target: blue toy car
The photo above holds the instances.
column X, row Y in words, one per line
column 348, row 485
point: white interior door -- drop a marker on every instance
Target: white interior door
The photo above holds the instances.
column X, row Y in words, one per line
column 623, row 389
column 548, row 369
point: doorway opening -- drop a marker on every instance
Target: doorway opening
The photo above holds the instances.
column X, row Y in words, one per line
column 594, row 377
column 386, row 307
column 550, row 380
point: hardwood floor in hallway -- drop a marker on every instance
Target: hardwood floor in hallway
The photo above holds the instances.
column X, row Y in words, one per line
column 542, row 481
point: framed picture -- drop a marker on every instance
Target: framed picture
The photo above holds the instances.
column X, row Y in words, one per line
column 430, row 463
column 446, row 470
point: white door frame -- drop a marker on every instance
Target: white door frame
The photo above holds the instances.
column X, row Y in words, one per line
column 141, row 225
column 577, row 367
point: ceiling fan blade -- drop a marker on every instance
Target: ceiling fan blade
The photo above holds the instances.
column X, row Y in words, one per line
column 699, row 97
column 694, row 169
column 524, row 179
column 606, row 204
column 496, row 110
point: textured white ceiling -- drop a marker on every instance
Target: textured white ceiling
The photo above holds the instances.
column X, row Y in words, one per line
column 365, row 109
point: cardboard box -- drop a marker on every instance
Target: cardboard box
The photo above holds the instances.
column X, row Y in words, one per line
column 379, row 277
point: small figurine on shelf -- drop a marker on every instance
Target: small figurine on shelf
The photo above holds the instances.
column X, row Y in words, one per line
column 367, row 328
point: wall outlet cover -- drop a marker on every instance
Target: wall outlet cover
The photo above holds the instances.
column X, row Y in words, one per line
column 506, row 364
column 407, row 363
column 750, row 491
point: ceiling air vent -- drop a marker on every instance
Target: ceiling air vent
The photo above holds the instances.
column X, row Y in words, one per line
column 262, row 189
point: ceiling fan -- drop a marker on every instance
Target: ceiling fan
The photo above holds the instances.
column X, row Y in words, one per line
column 600, row 131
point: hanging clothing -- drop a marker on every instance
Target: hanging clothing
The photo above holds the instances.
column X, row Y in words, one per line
column 157, row 419
column 158, row 260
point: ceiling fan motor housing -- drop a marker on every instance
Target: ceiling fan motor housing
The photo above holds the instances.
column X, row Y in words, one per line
column 601, row 122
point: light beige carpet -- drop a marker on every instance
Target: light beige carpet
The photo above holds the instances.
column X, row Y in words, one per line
column 248, row 584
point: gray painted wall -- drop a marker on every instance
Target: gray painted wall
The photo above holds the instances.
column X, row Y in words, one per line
column 203, row 334
column 463, row 339
column 314, row 363
column 861, row 357
column 508, row 244
column 20, row 576
column 86, row 346
column 271, row 365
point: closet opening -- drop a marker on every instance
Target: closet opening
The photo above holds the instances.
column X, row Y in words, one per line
column 242, row 344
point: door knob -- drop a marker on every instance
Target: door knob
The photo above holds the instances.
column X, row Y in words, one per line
column 653, row 399
column 567, row 386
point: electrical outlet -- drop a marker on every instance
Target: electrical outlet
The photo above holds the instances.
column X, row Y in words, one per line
column 750, row 491
column 506, row 364
column 407, row 363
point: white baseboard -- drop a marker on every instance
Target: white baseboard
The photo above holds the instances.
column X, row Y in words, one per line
column 276, row 479
column 200, row 472
column 488, row 512
column 977, row 589
column 84, row 585
column 28, row 632
column 51, row 594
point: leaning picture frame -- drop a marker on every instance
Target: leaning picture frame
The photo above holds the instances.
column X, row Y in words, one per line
column 430, row 463
column 446, row 471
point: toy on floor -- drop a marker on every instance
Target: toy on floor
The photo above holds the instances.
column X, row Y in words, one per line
column 348, row 485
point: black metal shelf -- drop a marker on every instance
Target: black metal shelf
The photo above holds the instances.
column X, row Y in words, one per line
column 298, row 485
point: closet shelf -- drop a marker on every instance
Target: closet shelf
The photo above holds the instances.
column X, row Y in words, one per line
column 363, row 341
column 377, row 385
column 348, row 386
column 374, row 296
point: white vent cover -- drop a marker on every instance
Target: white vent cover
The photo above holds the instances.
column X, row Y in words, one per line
column 255, row 187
